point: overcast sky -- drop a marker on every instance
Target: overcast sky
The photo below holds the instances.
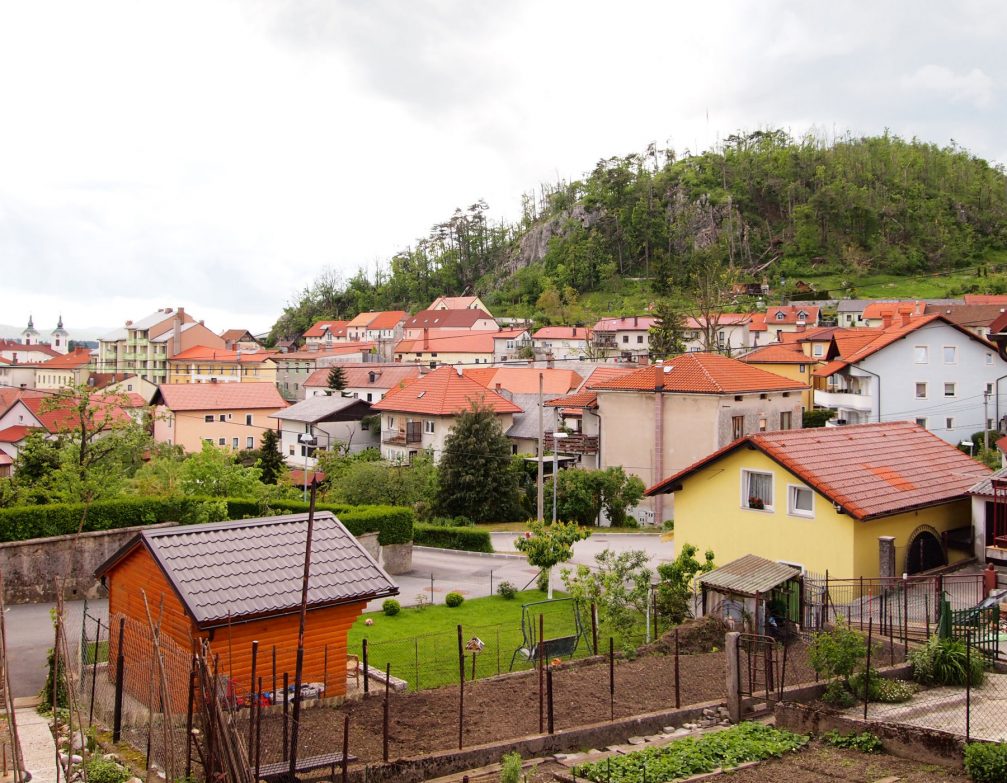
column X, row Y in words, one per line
column 219, row 155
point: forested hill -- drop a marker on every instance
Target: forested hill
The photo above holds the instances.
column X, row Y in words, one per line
column 767, row 206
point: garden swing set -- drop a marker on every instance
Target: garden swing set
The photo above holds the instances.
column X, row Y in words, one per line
column 557, row 647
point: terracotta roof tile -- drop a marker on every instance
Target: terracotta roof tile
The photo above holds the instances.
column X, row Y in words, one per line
column 464, row 342
column 203, row 353
column 386, row 376
column 562, row 333
column 388, row 319
column 15, row 434
column 63, row 417
column 877, row 310
column 441, row 319
column 640, row 323
column 870, row 470
column 791, row 315
column 524, row 380
column 778, row 353
column 985, row 299
column 701, row 373
column 75, row 359
column 338, row 328
column 443, row 392
column 215, row 396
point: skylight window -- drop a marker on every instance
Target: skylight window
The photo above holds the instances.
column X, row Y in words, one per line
column 418, row 396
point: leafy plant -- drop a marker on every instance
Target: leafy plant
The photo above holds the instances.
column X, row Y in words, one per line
column 865, row 742
column 838, row 652
column 101, row 770
column 391, row 607
column 549, row 545
column 946, row 662
column 986, row 762
column 454, row 599
column 506, row 590
column 677, row 578
column 881, row 689
column 510, row 769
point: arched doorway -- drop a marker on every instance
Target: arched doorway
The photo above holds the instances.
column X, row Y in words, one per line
column 925, row 550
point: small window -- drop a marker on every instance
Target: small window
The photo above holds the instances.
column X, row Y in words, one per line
column 639, row 339
column 922, row 422
column 129, row 387
column 786, row 420
column 250, row 442
column 921, row 354
column 221, row 441
column 222, row 417
column 428, row 427
column 234, row 443
column 390, row 421
column 208, row 417
column 625, row 338
column 780, row 316
column 248, row 419
column 950, row 389
column 989, row 359
column 818, row 350
column 763, row 423
column 291, row 449
column 951, row 354
column 803, row 367
column 921, row 391
column 949, row 423
column 801, row 502
column 757, row 490
column 989, row 388
column 737, row 427
column 368, row 396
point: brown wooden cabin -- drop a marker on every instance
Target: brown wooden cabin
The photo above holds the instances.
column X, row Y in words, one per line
column 233, row 583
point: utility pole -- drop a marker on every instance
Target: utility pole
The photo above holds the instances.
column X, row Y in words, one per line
column 541, row 451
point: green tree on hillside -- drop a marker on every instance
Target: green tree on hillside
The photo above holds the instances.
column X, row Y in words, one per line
column 476, row 478
column 270, row 463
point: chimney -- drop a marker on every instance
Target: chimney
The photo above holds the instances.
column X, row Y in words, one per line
column 497, row 387
column 426, row 338
column 176, row 334
column 907, row 314
column 549, row 360
column 886, row 318
column 636, row 321
column 574, row 332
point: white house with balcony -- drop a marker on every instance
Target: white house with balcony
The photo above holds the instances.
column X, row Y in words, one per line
column 924, row 369
column 334, row 423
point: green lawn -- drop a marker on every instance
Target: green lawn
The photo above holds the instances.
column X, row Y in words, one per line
column 927, row 286
column 422, row 645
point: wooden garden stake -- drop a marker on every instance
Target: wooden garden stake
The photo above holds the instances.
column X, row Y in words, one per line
column 611, row 678
column 384, row 722
column 678, row 700
column 251, row 714
column 461, row 687
column 541, row 672
column 346, row 747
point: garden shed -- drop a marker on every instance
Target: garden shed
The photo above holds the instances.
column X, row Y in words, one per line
column 751, row 589
column 233, row 583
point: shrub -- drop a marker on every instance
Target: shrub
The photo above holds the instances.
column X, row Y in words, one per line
column 865, row 742
column 101, row 770
column 838, row 694
column 985, row 762
column 881, row 689
column 946, row 662
column 464, row 538
column 391, row 607
column 510, row 768
column 506, row 590
column 453, row 599
column 542, row 582
column 837, row 652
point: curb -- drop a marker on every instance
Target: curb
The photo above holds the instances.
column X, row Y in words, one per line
column 466, row 552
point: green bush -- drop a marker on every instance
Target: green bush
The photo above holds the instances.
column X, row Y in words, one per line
column 882, row 689
column 946, row 662
column 101, row 770
column 542, row 581
column 838, row 694
column 453, row 599
column 837, row 652
column 985, row 762
column 391, row 607
column 464, row 538
column 506, row 590
column 817, row 417
column 510, row 768
column 865, row 742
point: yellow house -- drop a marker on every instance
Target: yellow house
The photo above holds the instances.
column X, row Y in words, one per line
column 203, row 364
column 787, row 360
column 867, row 500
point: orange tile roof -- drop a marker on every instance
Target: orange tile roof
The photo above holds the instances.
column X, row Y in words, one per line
column 778, row 353
column 15, row 434
column 64, row 417
column 338, row 328
column 877, row 310
column 77, row 358
column 443, row 392
column 338, row 349
column 986, row 299
column 202, row 353
column 562, row 333
column 524, row 380
column 236, row 334
column 452, row 319
column 701, row 373
column 455, row 302
column 870, row 470
column 386, row 376
column 790, row 315
column 466, row 342
column 629, row 323
column 758, row 323
column 219, row 396
column 585, row 398
column 388, row 319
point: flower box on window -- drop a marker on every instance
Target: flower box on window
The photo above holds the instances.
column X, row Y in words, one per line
column 756, row 502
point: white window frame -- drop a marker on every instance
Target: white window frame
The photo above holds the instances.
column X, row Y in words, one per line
column 429, row 426
column 250, row 442
column 916, row 390
column 792, row 509
column 922, row 422
column 954, row 389
column 954, row 354
column 745, row 474
column 926, row 354
column 949, row 422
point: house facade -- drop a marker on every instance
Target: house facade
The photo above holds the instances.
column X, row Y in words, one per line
column 369, row 382
column 336, row 423
column 437, row 323
column 322, row 334
column 628, row 337
column 70, row 369
column 448, row 348
column 458, row 303
column 869, row 500
column 295, row 367
column 925, row 369
column 563, row 342
column 201, row 364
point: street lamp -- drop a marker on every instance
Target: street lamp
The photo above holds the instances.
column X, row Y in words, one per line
column 307, row 440
column 555, row 469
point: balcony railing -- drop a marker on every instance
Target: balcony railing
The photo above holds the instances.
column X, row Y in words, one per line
column 413, row 433
column 844, row 399
column 573, row 443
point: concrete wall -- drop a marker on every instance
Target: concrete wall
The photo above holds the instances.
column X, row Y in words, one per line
column 30, row 568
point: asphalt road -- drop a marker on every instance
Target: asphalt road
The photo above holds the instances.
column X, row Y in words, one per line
column 30, row 630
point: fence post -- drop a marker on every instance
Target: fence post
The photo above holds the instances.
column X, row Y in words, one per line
column 867, row 675
column 255, row 698
column 594, row 627
column 826, row 599
column 861, row 602
column 188, row 720
column 541, row 673
column 94, row 668
column 120, row 668
column 733, row 676
column 366, row 670
column 678, row 700
column 384, row 720
column 968, row 685
column 461, row 686
column 548, row 683
column 286, row 715
column 611, row 678
column 905, row 614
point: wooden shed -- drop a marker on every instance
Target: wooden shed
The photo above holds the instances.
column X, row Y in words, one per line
column 749, row 590
column 233, row 583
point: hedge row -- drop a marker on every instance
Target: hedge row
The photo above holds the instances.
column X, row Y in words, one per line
column 393, row 524
column 465, row 538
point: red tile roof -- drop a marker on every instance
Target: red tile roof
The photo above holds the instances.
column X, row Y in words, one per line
column 585, row 398
column 219, row 396
column 562, row 333
column 455, row 302
column 386, row 376
column 446, row 319
column 337, row 349
column 464, row 342
column 790, row 315
column 236, row 335
column 338, row 328
column 15, row 434
column 64, row 417
column 14, row 345
column 778, row 353
column 701, row 373
column 388, row 319
column 870, row 470
column 639, row 323
column 758, row 323
column 877, row 310
column 985, row 299
column 203, row 353
column 443, row 392
column 524, row 380
column 971, row 316
column 77, row 358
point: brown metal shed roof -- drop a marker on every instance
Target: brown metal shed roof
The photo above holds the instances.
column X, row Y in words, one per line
column 748, row 575
column 252, row 568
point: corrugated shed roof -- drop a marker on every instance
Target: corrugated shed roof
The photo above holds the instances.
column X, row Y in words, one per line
column 443, row 392
column 321, row 407
column 215, row 396
column 749, row 575
column 700, row 373
column 984, row 486
column 252, row 568
column 870, row 470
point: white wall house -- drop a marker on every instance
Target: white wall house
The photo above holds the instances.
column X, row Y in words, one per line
column 334, row 422
column 927, row 370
